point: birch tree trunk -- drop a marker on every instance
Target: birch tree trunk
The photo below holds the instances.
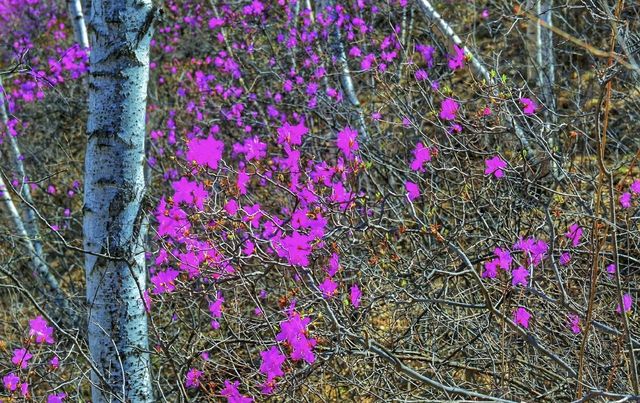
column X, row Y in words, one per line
column 114, row 187
column 77, row 20
column 545, row 58
column 26, row 228
column 433, row 15
column 29, row 216
column 346, row 81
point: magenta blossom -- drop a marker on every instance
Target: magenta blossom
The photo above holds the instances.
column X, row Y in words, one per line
column 334, row 264
column 347, row 142
column 56, row 398
column 529, row 106
column 519, row 276
column 448, row 109
column 11, row 382
column 206, row 152
column 421, row 155
column 574, row 323
column 504, row 258
column 494, row 166
column 328, row 287
column 625, row 200
column 456, row 61
column 355, row 296
column 39, row 328
column 21, row 357
column 193, row 378
column 232, row 394
column 272, row 361
column 412, row 189
column 55, row 362
column 292, row 134
column 294, row 331
column 574, row 234
column 627, row 302
column 164, row 281
column 491, row 268
column 521, row 316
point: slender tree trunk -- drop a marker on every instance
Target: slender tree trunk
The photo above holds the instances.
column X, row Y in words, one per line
column 114, row 187
column 433, row 15
column 26, row 228
column 29, row 215
column 77, row 20
column 346, row 81
column 545, row 58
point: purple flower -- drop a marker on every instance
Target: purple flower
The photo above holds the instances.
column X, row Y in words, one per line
column 529, row 106
column 232, row 394
column 625, row 200
column 574, row 323
column 39, row 328
column 294, row 331
column 565, row 258
column 231, row 207
column 347, row 142
column 252, row 148
column 11, row 382
column 421, row 75
column 56, row 398
column 334, row 264
column 295, row 248
column 491, row 268
column 519, row 276
column 627, row 301
column 328, row 287
column 21, row 357
column 164, row 281
column 456, row 61
column 205, row 151
column 189, row 192
column 521, row 317
column 272, row 361
column 55, row 362
column 412, row 189
column 355, row 296
column 292, row 134
column 215, row 307
column 193, row 378
column 494, row 166
column 574, row 234
column 448, row 109
column 421, row 154
column 367, row 61
column 427, row 53
column 504, row 258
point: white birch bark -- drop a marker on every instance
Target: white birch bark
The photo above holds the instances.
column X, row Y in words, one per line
column 114, row 186
column 26, row 228
column 545, row 59
column 346, row 81
column 28, row 215
column 446, row 29
column 40, row 268
column 77, row 20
